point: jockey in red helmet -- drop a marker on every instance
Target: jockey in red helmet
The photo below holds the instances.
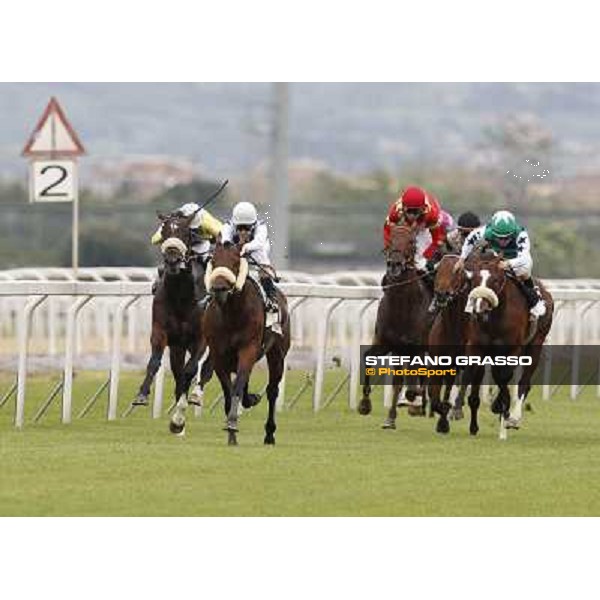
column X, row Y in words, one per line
column 415, row 205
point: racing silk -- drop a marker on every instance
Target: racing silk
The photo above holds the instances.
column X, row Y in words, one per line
column 259, row 245
column 204, row 228
column 517, row 253
column 432, row 219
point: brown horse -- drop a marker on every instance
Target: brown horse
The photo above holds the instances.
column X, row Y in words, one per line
column 447, row 337
column 176, row 317
column 236, row 332
column 402, row 316
column 500, row 325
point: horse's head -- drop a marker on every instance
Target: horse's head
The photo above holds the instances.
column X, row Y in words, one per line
column 176, row 232
column 227, row 272
column 400, row 253
column 448, row 284
column 487, row 279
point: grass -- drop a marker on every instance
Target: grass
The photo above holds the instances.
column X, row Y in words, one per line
column 330, row 463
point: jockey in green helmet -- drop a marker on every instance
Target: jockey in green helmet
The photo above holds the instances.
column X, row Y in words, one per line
column 506, row 237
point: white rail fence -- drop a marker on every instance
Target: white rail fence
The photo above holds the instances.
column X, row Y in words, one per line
column 59, row 323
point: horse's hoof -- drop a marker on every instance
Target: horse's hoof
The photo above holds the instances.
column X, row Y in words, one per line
column 528, row 407
column 442, row 426
column 456, row 414
column 250, row 400
column 140, row 400
column 194, row 402
column 411, row 396
column 389, row 424
column 269, row 440
column 473, row 430
column 512, row 423
column 232, row 439
column 177, row 428
column 364, row 407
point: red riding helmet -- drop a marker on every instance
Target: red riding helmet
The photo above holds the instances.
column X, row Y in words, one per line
column 413, row 198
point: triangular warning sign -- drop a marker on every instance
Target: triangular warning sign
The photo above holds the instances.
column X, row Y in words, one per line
column 53, row 135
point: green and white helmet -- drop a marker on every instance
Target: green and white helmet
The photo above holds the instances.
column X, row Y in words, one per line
column 503, row 224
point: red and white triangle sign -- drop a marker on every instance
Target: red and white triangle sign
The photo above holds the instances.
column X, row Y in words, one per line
column 53, row 135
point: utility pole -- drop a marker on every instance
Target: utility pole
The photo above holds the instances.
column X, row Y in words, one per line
column 279, row 211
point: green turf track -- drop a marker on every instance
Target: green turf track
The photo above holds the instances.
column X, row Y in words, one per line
column 331, row 463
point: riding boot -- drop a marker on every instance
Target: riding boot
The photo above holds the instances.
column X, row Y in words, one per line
column 535, row 303
column 271, row 292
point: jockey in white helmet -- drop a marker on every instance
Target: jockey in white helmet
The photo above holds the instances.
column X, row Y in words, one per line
column 246, row 229
column 204, row 229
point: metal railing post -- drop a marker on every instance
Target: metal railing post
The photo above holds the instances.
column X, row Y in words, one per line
column 321, row 351
column 70, row 341
column 24, row 327
column 115, row 364
column 358, row 335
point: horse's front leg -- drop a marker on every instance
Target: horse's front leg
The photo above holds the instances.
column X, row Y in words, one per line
column 204, row 373
column 158, row 341
column 437, row 405
column 501, row 405
column 246, row 359
column 390, row 421
column 177, row 423
column 365, row 406
column 474, row 376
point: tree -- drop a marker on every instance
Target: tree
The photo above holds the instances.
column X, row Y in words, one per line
column 519, row 150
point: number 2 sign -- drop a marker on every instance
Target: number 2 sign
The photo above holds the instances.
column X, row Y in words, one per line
column 53, row 181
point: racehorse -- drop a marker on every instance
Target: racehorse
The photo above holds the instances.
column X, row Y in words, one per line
column 176, row 317
column 402, row 316
column 236, row 332
column 447, row 337
column 500, row 325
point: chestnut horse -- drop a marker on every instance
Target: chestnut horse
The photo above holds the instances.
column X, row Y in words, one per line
column 500, row 325
column 447, row 337
column 403, row 320
column 176, row 317
column 236, row 332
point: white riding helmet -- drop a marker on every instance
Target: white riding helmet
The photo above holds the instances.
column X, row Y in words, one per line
column 244, row 213
column 190, row 208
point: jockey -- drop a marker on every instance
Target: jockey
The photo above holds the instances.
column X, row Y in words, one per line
column 416, row 206
column 244, row 227
column 467, row 222
column 511, row 240
column 204, row 229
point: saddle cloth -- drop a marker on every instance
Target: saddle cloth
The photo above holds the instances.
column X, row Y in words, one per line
column 272, row 319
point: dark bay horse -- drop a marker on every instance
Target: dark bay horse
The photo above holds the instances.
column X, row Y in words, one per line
column 500, row 324
column 235, row 329
column 403, row 320
column 448, row 337
column 176, row 317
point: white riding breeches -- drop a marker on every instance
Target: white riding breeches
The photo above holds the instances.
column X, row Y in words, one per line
column 423, row 242
column 522, row 265
column 261, row 256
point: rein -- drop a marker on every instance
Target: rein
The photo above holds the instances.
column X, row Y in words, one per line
column 401, row 283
